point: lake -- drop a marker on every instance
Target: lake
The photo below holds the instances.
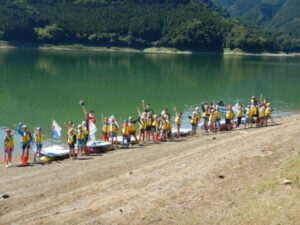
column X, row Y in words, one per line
column 38, row 86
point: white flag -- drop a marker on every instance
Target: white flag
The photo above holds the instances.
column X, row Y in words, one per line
column 113, row 117
column 55, row 131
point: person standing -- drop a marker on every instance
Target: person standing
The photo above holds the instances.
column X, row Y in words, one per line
column 26, row 139
column 8, row 147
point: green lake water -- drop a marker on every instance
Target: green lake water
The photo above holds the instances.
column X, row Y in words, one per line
column 38, row 86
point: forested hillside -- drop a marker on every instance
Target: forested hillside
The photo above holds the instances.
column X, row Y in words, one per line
column 184, row 24
column 277, row 14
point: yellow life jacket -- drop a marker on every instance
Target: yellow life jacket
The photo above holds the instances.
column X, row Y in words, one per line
column 71, row 138
column 155, row 123
column 269, row 111
column 262, row 112
column 254, row 109
column 164, row 125
column 131, row 127
column 212, row 118
column 198, row 116
column 9, row 141
column 178, row 120
column 169, row 122
column 125, row 130
column 143, row 125
column 80, row 135
column 229, row 114
column 25, row 138
column 113, row 128
column 205, row 115
column 217, row 114
column 105, row 128
column 248, row 113
column 38, row 138
column 85, row 131
column 149, row 122
column 194, row 120
column 240, row 113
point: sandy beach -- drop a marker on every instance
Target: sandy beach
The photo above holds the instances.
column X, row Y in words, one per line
column 199, row 180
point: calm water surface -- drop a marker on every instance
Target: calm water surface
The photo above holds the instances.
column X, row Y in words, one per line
column 38, row 86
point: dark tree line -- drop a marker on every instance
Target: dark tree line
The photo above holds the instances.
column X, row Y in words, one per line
column 184, row 24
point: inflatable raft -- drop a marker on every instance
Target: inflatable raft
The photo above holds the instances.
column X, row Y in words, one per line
column 54, row 152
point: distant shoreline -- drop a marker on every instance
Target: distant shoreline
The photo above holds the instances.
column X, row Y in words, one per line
column 159, row 50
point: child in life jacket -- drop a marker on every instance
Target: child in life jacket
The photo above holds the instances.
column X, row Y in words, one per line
column 193, row 121
column 229, row 117
column 105, row 128
column 269, row 112
column 178, row 121
column 38, row 142
column 132, row 128
column 125, row 133
column 26, row 139
column 248, row 117
column 8, row 147
column 71, row 142
column 113, row 129
column 212, row 119
column 80, row 139
column 240, row 114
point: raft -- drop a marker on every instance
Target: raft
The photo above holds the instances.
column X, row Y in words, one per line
column 97, row 146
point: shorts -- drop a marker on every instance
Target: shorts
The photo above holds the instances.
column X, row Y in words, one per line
column 148, row 128
column 154, row 129
column 8, row 149
column 239, row 120
column 247, row 120
column 79, row 143
column 217, row 122
column 262, row 117
column 105, row 136
column 132, row 133
column 72, row 145
column 38, row 146
column 126, row 137
column 205, row 121
column 164, row 131
column 194, row 127
column 24, row 146
column 142, row 131
column 211, row 123
column 113, row 134
column 86, row 138
column 228, row 121
column 268, row 116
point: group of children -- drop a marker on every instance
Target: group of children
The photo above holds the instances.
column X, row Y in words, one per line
column 26, row 139
column 152, row 127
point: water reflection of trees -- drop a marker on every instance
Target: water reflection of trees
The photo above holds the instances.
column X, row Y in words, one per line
column 123, row 78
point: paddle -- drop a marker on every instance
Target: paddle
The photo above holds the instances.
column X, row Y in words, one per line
column 156, row 137
column 4, row 157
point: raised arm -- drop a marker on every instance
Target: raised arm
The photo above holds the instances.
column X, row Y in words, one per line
column 83, row 108
column 202, row 106
column 102, row 116
column 19, row 129
column 138, row 109
column 176, row 111
column 143, row 104
column 261, row 99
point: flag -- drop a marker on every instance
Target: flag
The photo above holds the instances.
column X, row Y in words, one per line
column 235, row 107
column 55, row 131
column 113, row 117
column 92, row 130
